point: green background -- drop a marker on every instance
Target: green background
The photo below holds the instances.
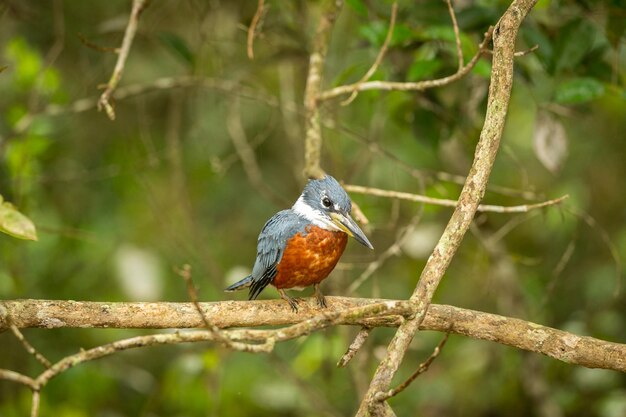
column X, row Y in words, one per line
column 119, row 204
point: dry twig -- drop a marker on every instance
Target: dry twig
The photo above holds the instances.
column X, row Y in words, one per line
column 558, row 344
column 252, row 30
column 129, row 34
column 471, row 194
column 409, row 86
column 313, row 129
column 423, row 367
column 246, row 154
column 524, row 208
column 354, row 347
column 457, row 35
column 379, row 57
column 4, row 314
column 185, row 273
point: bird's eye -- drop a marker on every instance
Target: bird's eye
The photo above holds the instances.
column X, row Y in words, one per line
column 326, row 202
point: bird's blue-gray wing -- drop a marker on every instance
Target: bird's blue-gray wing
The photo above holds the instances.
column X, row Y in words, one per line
column 271, row 245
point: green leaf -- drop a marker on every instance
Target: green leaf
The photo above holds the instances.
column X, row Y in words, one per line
column 578, row 90
column 2, row 68
column 14, row 223
column 178, row 46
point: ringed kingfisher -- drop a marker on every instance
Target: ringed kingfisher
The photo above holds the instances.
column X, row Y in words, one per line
column 300, row 246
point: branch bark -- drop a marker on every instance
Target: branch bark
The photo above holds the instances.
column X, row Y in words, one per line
column 564, row 346
column 313, row 129
column 504, row 36
column 129, row 35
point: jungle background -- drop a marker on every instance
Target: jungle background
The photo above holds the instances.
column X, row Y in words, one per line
column 119, row 204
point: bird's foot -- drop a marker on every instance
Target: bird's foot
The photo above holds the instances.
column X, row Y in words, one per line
column 321, row 300
column 293, row 303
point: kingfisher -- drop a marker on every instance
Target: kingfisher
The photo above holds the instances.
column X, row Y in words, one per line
column 300, row 246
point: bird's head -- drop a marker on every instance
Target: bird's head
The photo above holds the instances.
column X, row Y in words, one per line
column 327, row 205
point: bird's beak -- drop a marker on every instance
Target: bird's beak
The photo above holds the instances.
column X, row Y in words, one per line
column 345, row 223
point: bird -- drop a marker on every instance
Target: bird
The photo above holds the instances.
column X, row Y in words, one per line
column 300, row 246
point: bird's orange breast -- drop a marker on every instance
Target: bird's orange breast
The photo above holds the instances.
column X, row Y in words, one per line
column 309, row 258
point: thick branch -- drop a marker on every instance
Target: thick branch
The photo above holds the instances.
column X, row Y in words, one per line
column 558, row 344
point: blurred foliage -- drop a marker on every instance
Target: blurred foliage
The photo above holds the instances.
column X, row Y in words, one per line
column 119, row 204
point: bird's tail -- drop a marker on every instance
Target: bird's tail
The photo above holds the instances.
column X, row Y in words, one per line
column 239, row 285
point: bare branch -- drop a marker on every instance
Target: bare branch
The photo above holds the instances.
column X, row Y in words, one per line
column 524, row 208
column 185, row 273
column 98, row 48
column 423, row 367
column 4, row 314
column 34, row 408
column 252, row 30
column 528, row 51
column 558, row 344
column 246, row 153
column 313, row 129
column 457, row 36
column 18, row 378
column 409, row 86
column 471, row 195
column 129, row 35
column 393, row 249
column 354, row 347
column 379, row 57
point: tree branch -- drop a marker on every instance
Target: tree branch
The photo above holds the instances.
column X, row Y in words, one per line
column 564, row 346
column 313, row 129
column 523, row 208
column 472, row 193
column 408, row 86
column 129, row 35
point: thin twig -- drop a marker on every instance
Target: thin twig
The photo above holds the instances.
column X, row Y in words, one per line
column 18, row 378
column 313, row 128
column 423, row 367
column 253, row 28
column 457, row 35
column 524, row 208
column 472, row 193
column 165, row 83
column 526, row 52
column 246, row 154
column 379, row 57
column 19, row 336
column 604, row 235
column 129, row 34
column 392, row 250
column 521, row 53
column 557, row 271
column 409, row 86
column 185, row 273
column 354, row 347
column 98, row 48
